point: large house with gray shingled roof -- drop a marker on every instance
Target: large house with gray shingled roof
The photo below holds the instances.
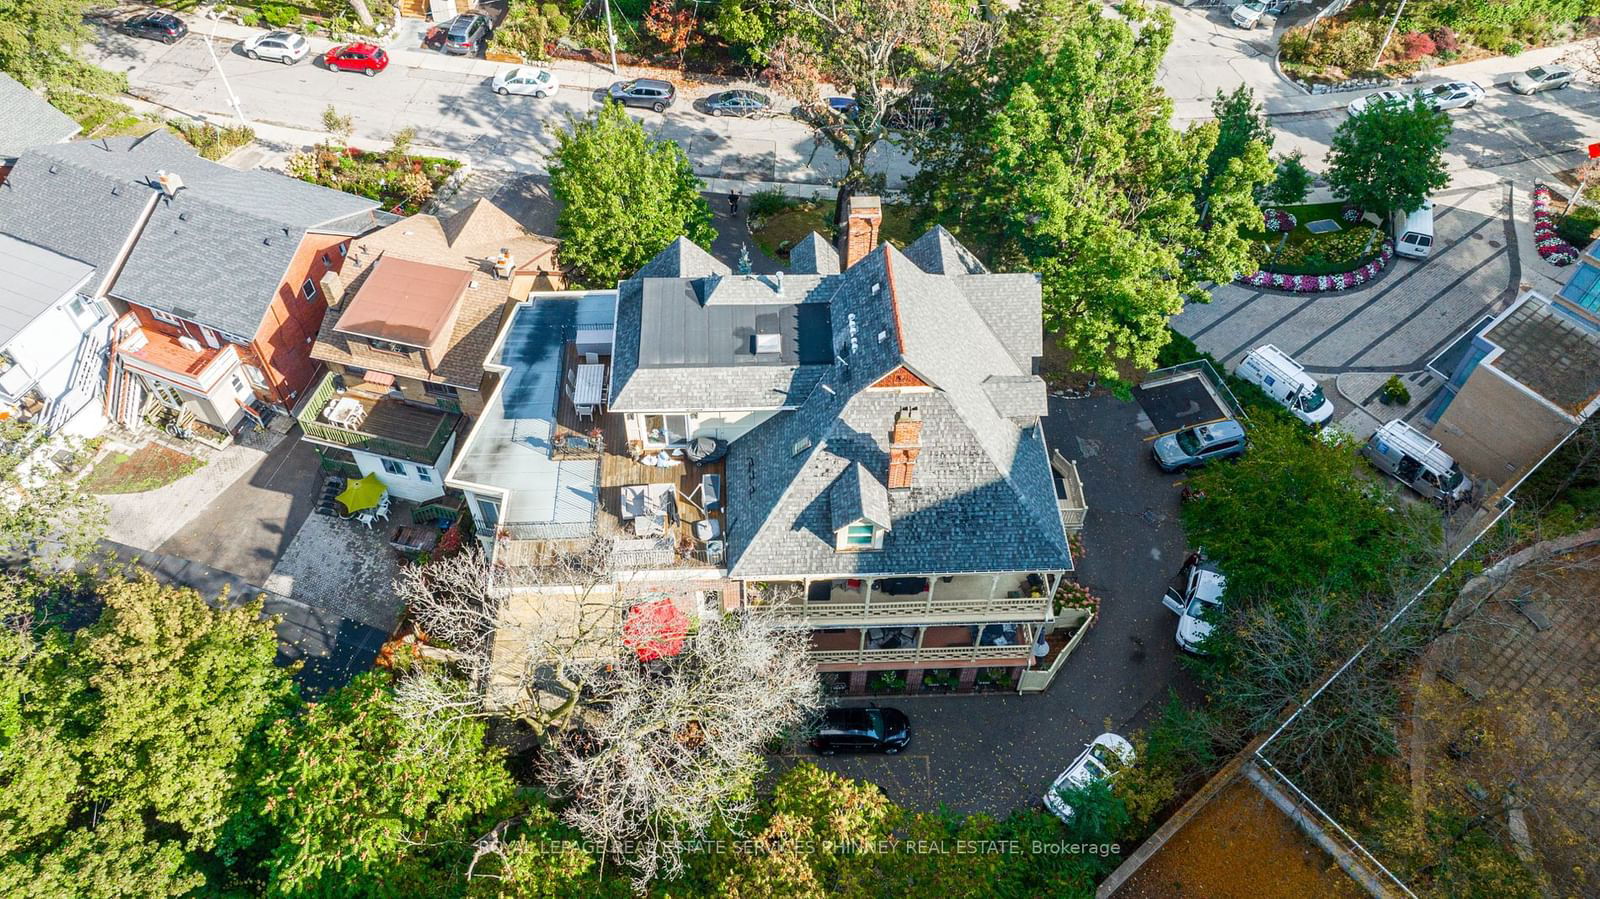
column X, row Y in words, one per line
column 854, row 443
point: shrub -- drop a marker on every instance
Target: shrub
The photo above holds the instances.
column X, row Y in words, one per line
column 1277, row 221
column 1291, row 180
column 1417, row 45
column 1445, row 40
column 530, row 28
column 1394, row 392
column 1350, row 213
column 1351, row 48
column 280, row 15
column 210, row 141
column 1579, row 225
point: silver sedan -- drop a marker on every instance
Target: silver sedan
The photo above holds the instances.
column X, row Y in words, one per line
column 1542, row 78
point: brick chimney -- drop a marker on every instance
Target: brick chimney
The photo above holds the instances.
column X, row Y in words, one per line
column 858, row 234
column 905, row 444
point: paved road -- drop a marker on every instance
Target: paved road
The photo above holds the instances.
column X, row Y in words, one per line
column 455, row 110
column 992, row 753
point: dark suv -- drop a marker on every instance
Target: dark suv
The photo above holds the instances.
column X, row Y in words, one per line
column 647, row 93
column 862, row 730
column 159, row 26
column 465, row 35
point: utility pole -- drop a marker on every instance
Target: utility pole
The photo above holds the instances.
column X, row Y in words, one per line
column 611, row 34
column 1389, row 34
column 233, row 99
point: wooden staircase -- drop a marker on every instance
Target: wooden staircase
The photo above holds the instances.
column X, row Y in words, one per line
column 414, row 9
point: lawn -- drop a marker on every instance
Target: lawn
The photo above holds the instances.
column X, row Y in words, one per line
column 1305, row 253
column 781, row 230
column 149, row 467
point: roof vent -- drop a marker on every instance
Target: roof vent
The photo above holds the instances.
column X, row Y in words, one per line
column 183, row 216
column 874, row 288
column 116, row 190
column 472, row 285
column 54, row 168
column 769, row 343
column 882, row 336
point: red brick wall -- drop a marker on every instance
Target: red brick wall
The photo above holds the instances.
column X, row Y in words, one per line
column 283, row 342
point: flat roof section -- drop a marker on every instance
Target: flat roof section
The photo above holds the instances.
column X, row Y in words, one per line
column 404, row 301
column 677, row 330
column 511, row 446
column 1549, row 352
column 32, row 279
column 1444, row 365
column 1183, row 396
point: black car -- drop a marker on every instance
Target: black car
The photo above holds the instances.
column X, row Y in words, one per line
column 464, row 35
column 647, row 93
column 862, row 730
column 158, row 26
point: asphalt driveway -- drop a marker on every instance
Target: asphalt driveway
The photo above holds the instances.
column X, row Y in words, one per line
column 996, row 752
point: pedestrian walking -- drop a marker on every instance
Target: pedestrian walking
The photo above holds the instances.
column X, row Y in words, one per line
column 733, row 201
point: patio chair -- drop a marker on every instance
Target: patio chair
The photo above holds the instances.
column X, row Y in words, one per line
column 591, row 358
column 366, row 518
column 584, row 412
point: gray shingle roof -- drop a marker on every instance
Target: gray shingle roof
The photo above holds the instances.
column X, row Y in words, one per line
column 1020, row 398
column 939, row 253
column 858, row 495
column 981, row 499
column 682, row 258
column 1010, row 305
column 813, row 256
column 213, row 253
column 28, row 120
column 33, row 279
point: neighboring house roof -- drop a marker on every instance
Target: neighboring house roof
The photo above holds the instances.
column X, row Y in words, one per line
column 28, row 120
column 214, row 253
column 32, row 280
column 404, row 301
column 1549, row 351
column 813, row 256
column 469, row 240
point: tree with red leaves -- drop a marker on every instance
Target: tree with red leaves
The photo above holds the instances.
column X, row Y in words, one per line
column 671, row 24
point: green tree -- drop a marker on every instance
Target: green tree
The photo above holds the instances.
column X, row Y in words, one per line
column 1295, row 513
column 624, row 196
column 1390, row 156
column 1059, row 157
column 750, row 27
column 1291, row 181
column 121, row 746
column 352, row 794
column 1239, row 124
column 39, row 41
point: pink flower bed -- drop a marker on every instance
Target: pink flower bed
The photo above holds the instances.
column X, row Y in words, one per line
column 1277, row 221
column 1552, row 248
column 1323, row 283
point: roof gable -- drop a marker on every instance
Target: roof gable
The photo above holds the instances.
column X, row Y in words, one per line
column 28, row 120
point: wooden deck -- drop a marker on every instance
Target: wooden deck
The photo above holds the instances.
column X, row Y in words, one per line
column 619, row 469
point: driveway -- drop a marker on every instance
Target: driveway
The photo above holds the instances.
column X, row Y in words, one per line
column 996, row 752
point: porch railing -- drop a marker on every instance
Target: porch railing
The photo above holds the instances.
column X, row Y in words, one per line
column 1037, row 680
column 828, row 610
column 310, row 411
column 914, row 654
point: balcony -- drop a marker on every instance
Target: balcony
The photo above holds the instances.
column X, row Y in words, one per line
column 969, row 597
column 382, row 425
column 1011, row 642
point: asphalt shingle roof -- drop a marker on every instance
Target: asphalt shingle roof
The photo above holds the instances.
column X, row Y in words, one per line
column 28, row 120
column 813, row 256
column 858, row 495
column 214, row 253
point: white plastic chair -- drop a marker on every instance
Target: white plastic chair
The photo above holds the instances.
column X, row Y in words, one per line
column 584, row 412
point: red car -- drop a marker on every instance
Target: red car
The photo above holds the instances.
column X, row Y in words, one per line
column 368, row 58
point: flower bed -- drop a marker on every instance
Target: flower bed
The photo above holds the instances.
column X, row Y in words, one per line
column 1323, row 283
column 1278, row 221
column 401, row 182
column 1551, row 246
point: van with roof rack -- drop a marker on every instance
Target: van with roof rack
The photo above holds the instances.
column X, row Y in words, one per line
column 1413, row 459
column 1283, row 379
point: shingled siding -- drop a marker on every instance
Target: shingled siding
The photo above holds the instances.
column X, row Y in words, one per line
column 283, row 341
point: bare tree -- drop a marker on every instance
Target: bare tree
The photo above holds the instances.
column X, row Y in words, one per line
column 647, row 755
column 878, row 52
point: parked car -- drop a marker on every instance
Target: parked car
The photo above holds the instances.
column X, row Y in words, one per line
column 526, row 80
column 358, row 57
column 1100, row 760
column 739, row 102
column 1451, row 95
column 647, row 93
column 157, row 26
column 836, row 108
column 1542, row 78
column 1195, row 597
column 1362, row 104
column 870, row 729
column 1193, row 447
column 464, row 35
column 1248, row 13
column 284, row 46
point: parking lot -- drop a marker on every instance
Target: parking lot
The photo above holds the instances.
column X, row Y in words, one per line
column 996, row 752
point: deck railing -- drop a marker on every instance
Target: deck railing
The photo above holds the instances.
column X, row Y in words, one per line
column 313, row 427
column 923, row 653
column 833, row 611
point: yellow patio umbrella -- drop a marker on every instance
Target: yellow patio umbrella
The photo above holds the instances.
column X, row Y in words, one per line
column 362, row 494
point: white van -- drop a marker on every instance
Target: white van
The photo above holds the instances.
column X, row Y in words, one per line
column 1413, row 232
column 1413, row 459
column 1282, row 378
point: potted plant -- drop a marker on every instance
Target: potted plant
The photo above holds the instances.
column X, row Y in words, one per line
column 1394, row 392
column 887, row 682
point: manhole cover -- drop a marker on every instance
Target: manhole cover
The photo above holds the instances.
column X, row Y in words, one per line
column 1322, row 226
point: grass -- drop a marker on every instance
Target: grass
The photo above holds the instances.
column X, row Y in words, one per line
column 782, row 230
column 401, row 184
column 1305, row 253
column 101, row 116
column 149, row 467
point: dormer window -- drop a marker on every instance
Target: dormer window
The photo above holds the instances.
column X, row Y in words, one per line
column 862, row 536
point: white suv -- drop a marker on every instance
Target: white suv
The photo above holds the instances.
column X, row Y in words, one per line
column 1196, row 598
column 284, row 46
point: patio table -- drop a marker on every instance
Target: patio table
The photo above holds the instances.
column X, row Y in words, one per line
column 586, row 390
